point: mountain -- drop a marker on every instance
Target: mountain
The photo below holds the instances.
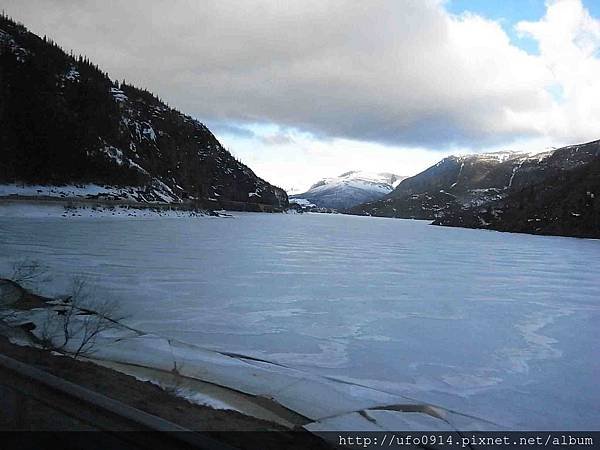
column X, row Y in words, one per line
column 564, row 202
column 65, row 122
column 349, row 189
column 546, row 193
column 454, row 181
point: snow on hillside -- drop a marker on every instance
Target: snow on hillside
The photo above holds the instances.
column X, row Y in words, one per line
column 499, row 156
column 38, row 210
column 157, row 192
column 20, row 52
column 350, row 188
column 507, row 155
column 360, row 180
column 303, row 202
column 125, row 136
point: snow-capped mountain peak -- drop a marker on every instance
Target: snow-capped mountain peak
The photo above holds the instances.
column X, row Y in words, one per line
column 350, row 188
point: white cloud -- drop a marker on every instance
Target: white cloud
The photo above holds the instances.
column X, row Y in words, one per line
column 377, row 85
column 303, row 159
column 569, row 42
column 402, row 72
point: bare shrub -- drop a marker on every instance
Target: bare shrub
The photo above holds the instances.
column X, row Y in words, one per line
column 72, row 326
column 28, row 272
column 79, row 321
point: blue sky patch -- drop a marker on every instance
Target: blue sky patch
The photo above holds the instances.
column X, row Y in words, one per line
column 509, row 12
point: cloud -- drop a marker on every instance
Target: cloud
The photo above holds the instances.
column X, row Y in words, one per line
column 297, row 166
column 230, row 128
column 569, row 42
column 406, row 72
column 277, row 139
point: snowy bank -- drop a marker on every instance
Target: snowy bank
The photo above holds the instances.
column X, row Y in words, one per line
column 259, row 388
column 156, row 192
column 66, row 209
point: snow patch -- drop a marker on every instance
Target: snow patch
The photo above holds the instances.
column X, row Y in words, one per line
column 72, row 74
column 302, row 202
column 118, row 95
column 90, row 211
column 19, row 52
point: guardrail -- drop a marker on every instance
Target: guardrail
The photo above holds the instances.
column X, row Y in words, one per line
column 23, row 383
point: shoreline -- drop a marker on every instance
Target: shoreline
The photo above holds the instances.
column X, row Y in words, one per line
column 78, row 207
column 231, row 426
column 16, row 299
column 93, row 196
column 285, row 397
column 242, row 420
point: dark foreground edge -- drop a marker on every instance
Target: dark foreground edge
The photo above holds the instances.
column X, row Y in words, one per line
column 133, row 440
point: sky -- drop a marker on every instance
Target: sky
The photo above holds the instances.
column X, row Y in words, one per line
column 303, row 90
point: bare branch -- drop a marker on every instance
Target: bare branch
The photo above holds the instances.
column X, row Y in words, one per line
column 28, row 272
column 82, row 319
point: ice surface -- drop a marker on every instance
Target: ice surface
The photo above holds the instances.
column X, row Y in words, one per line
column 499, row 330
column 380, row 421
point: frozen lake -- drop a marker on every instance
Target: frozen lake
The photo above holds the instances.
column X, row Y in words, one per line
column 504, row 327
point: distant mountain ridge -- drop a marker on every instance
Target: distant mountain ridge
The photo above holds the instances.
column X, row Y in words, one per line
column 553, row 192
column 350, row 189
column 65, row 122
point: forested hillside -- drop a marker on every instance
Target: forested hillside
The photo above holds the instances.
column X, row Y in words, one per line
column 64, row 121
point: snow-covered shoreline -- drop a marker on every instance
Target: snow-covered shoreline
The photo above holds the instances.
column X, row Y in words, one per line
column 96, row 201
column 88, row 200
column 289, row 397
column 156, row 193
column 66, row 209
